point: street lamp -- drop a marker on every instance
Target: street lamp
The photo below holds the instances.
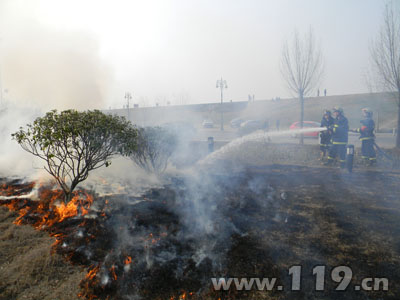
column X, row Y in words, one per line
column 221, row 84
column 128, row 96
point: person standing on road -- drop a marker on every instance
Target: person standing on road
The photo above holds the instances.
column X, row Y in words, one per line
column 340, row 136
column 325, row 136
column 367, row 137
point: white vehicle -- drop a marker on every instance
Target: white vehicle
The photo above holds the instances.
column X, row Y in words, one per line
column 208, row 124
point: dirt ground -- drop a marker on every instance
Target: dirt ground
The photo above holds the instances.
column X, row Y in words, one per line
column 27, row 268
column 324, row 217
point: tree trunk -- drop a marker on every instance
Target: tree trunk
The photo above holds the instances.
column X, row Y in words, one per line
column 398, row 121
column 67, row 197
column 66, row 190
column 222, row 112
column 301, row 96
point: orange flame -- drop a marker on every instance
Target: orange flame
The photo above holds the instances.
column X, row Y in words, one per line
column 92, row 273
column 67, row 211
column 49, row 210
column 128, row 260
column 112, row 269
column 183, row 296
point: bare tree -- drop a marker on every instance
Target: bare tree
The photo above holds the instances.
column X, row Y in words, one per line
column 385, row 57
column 155, row 146
column 302, row 68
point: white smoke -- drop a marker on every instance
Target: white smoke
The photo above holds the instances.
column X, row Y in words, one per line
column 13, row 160
column 53, row 70
column 42, row 68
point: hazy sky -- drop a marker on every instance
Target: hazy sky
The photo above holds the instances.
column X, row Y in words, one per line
column 177, row 49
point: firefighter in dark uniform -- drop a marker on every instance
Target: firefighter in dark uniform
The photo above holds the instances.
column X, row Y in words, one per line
column 325, row 141
column 367, row 137
column 340, row 135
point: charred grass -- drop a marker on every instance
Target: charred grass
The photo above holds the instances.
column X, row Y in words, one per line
column 318, row 216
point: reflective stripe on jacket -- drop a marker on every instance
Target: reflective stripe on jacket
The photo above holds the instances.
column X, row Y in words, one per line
column 367, row 129
column 340, row 131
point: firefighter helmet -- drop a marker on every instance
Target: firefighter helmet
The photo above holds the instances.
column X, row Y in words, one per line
column 367, row 111
column 338, row 109
column 327, row 112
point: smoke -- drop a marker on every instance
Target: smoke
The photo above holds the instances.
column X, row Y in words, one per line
column 122, row 177
column 13, row 160
column 49, row 67
column 42, row 68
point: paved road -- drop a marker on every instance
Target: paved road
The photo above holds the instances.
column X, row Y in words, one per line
column 385, row 140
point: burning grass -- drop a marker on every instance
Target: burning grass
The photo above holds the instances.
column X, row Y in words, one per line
column 265, row 220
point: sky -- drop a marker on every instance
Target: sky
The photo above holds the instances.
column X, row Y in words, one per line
column 175, row 50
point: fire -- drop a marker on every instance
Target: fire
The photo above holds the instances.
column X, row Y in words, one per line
column 71, row 208
column 128, row 260
column 7, row 190
column 88, row 281
column 66, row 222
column 152, row 239
column 112, row 270
column 92, row 272
column 183, row 296
column 49, row 209
column 67, row 211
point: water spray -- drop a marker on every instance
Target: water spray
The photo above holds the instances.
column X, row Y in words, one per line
column 257, row 136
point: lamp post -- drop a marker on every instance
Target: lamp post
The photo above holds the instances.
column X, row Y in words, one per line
column 128, row 97
column 221, row 84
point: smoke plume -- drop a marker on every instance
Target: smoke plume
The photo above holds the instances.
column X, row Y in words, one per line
column 47, row 67
column 42, row 68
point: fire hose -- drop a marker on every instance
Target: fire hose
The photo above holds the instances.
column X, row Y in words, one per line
column 383, row 152
column 379, row 149
column 349, row 154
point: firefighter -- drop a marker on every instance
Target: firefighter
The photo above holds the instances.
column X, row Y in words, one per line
column 327, row 121
column 367, row 136
column 340, row 135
